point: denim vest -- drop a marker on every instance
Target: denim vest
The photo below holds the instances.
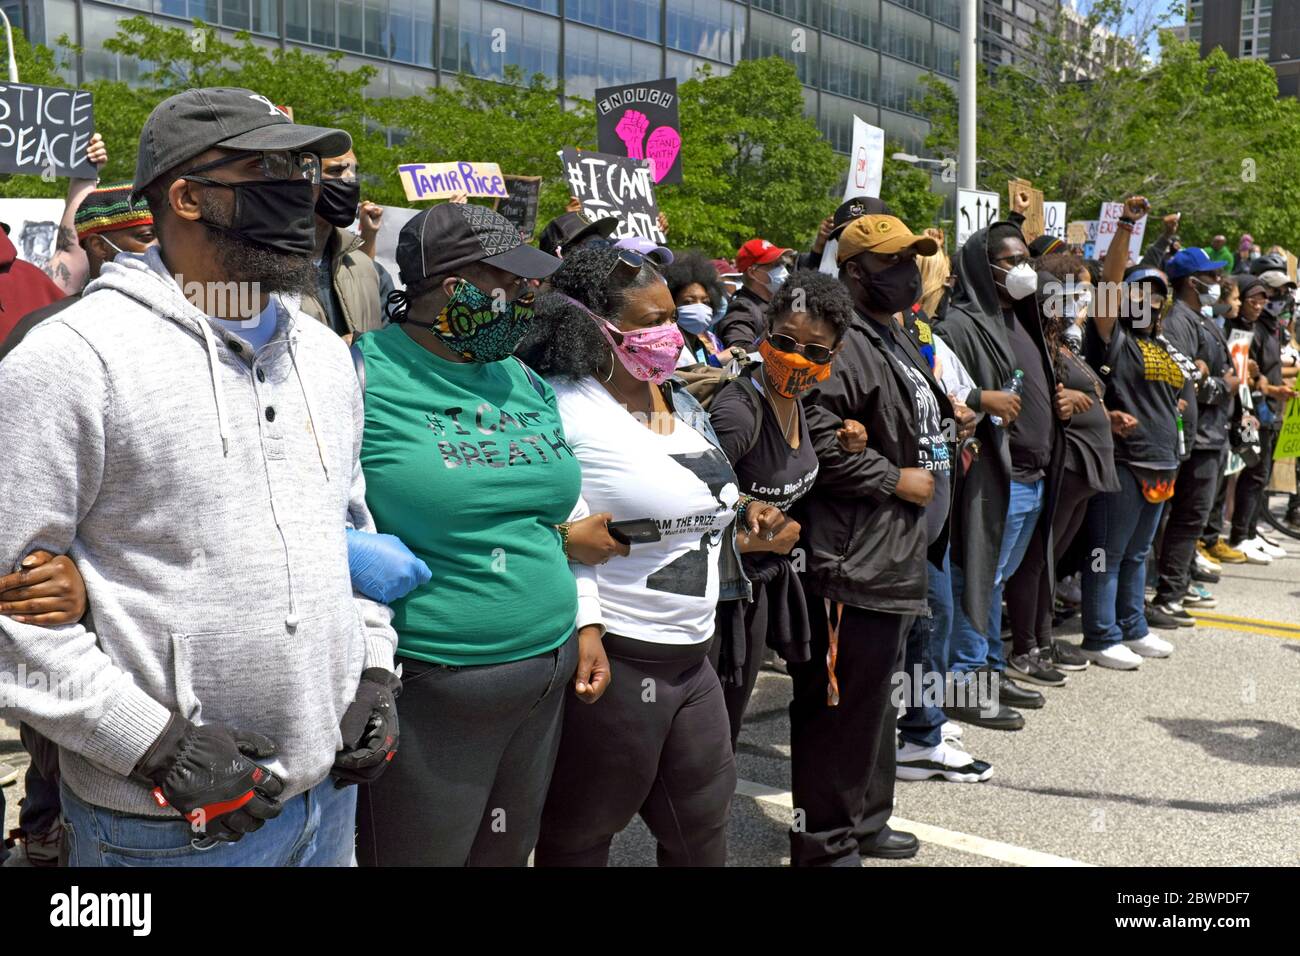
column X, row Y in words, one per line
column 732, row 583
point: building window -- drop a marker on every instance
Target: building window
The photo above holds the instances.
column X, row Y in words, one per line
column 852, row 19
column 593, row 59
column 770, row 36
column 704, row 28
column 900, row 85
column 905, row 35
column 848, row 70
column 800, row 10
column 484, row 38
column 683, row 68
column 629, row 18
column 836, row 121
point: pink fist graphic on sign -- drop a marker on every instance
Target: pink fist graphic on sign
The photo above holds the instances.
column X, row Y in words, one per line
column 660, row 149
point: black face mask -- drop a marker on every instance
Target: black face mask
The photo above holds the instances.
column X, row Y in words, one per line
column 893, row 289
column 279, row 214
column 338, row 201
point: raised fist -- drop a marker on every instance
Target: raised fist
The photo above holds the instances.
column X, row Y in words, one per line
column 631, row 130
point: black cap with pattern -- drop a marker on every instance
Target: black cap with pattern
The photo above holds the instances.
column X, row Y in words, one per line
column 445, row 238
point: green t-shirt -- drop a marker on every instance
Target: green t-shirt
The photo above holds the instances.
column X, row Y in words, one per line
column 468, row 465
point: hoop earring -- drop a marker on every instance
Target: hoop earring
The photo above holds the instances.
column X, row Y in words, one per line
column 606, row 379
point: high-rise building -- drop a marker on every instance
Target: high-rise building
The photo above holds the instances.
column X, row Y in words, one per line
column 1008, row 27
column 853, row 56
column 1267, row 30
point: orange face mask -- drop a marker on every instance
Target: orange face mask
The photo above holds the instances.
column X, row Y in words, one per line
column 789, row 372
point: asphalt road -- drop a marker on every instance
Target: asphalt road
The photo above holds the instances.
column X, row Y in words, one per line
column 1189, row 761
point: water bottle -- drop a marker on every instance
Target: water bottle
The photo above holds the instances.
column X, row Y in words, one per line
column 1182, row 442
column 1015, row 385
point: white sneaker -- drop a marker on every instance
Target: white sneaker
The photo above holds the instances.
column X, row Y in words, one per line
column 951, row 730
column 1206, row 566
column 1117, row 657
column 8, row 774
column 955, row 766
column 1150, row 646
column 1253, row 554
column 1271, row 548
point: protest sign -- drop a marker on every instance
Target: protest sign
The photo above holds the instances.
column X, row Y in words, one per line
column 45, row 130
column 640, row 121
column 520, row 207
column 866, row 169
column 33, row 227
column 443, row 180
column 1110, row 213
column 1033, row 224
column 608, row 185
column 1054, row 220
column 390, row 227
column 1239, row 354
column 1076, row 233
column 1288, row 439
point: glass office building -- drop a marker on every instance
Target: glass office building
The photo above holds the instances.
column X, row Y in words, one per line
column 853, row 56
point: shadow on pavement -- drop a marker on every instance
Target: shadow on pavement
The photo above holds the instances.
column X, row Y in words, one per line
column 1262, row 743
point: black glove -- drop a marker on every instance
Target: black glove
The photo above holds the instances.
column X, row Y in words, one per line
column 369, row 729
column 204, row 773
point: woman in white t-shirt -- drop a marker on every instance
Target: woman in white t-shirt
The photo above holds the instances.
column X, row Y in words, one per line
column 658, row 743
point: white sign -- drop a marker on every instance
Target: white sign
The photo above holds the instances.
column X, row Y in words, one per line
column 1054, row 219
column 33, row 227
column 1110, row 213
column 866, row 166
column 975, row 210
column 390, row 227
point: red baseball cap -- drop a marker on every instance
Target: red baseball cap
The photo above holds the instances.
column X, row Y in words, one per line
column 757, row 252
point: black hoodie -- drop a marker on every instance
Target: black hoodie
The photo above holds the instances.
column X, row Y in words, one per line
column 973, row 327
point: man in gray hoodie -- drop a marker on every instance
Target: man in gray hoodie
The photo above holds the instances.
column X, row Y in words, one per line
column 198, row 459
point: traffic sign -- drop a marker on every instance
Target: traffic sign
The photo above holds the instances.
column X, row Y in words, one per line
column 975, row 210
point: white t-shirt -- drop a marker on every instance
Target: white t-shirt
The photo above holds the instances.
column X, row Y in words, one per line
column 664, row 591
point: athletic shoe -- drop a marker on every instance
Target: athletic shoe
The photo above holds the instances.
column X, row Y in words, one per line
column 1066, row 656
column 1117, row 657
column 1150, row 646
column 1205, row 560
column 1269, row 546
column 1069, row 591
column 1172, row 609
column 1292, row 520
column 1036, row 669
column 956, row 766
column 1205, row 577
column 1254, row 555
column 1225, row 553
column 951, row 730
column 1158, row 618
column 8, row 774
column 1198, row 595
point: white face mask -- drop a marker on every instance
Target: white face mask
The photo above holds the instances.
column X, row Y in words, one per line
column 1211, row 295
column 1020, row 281
column 776, row 278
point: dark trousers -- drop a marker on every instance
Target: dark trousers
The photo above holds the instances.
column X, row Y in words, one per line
column 1029, row 594
column 658, row 744
column 41, row 805
column 1214, row 524
column 1250, row 491
column 736, row 696
column 842, row 758
column 1185, row 518
column 478, row 746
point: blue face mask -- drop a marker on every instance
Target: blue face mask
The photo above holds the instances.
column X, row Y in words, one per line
column 695, row 318
column 776, row 278
column 722, row 309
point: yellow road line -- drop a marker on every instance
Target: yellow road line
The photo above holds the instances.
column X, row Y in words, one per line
column 1248, row 625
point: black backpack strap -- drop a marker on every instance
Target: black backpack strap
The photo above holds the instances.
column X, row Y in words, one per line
column 533, row 380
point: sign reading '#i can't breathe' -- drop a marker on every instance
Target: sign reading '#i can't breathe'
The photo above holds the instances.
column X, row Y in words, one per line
column 44, row 130
column 639, row 121
column 615, row 186
column 443, row 180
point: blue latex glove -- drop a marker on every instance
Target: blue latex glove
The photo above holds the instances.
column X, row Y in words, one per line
column 382, row 567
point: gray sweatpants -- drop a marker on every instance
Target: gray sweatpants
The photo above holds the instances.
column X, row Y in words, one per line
column 473, row 764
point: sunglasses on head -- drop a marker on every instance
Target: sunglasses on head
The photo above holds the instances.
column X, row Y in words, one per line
column 819, row 354
column 629, row 264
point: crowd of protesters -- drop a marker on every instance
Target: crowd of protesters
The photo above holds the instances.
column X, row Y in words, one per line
column 550, row 510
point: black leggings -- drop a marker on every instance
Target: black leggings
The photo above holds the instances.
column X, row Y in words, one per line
column 657, row 743
column 1029, row 592
column 1250, row 497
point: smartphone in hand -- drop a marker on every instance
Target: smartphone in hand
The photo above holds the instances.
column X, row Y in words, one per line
column 634, row 531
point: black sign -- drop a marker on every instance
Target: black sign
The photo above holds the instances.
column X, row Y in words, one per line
column 520, row 207
column 640, row 121
column 44, row 130
column 614, row 186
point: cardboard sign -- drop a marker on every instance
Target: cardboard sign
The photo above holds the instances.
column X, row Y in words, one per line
column 608, row 185
column 1054, row 220
column 1106, row 227
column 45, row 129
column 1033, row 225
column 443, row 180
column 975, row 210
column 866, row 170
column 639, row 121
column 1288, row 439
column 520, row 207
column 1076, row 233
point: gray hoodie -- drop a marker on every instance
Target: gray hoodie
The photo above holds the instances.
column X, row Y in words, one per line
column 203, row 493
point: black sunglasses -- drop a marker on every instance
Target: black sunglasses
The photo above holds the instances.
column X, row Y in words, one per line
column 813, row 353
column 629, row 264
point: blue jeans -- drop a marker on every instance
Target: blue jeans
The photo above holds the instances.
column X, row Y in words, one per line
column 1120, row 526
column 973, row 647
column 316, row 828
column 927, row 646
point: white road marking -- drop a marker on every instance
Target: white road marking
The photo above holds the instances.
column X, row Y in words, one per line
column 965, row 842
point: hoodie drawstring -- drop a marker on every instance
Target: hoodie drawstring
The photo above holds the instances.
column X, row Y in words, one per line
column 306, row 399
column 218, row 393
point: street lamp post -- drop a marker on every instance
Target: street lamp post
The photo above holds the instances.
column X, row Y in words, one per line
column 968, row 63
column 9, row 41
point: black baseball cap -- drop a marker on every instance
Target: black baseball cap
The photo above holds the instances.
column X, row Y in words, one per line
column 855, row 208
column 570, row 228
column 190, row 123
column 445, row 238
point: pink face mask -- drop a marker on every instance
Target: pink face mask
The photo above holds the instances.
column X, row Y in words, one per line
column 648, row 354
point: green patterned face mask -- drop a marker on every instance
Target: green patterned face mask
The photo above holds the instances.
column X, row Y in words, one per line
column 478, row 326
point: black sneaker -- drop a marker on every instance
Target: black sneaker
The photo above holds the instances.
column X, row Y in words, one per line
column 1013, row 695
column 1158, row 618
column 1205, row 577
column 1065, row 656
column 1172, row 611
column 1034, row 668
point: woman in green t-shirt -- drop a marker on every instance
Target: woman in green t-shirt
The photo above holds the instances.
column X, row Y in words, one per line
column 465, row 458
